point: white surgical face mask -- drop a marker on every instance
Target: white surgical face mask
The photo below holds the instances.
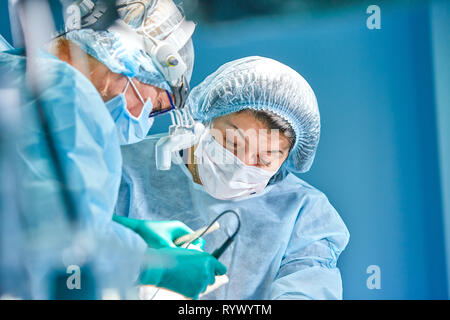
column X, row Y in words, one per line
column 131, row 129
column 223, row 175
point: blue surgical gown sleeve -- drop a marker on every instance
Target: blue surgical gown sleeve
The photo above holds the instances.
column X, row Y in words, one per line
column 308, row 269
column 88, row 146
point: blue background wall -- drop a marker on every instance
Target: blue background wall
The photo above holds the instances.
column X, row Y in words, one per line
column 378, row 156
column 377, row 159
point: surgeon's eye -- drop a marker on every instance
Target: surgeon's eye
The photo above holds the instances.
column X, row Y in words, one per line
column 265, row 162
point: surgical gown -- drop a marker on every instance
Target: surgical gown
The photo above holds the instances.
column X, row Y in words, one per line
column 87, row 143
column 290, row 236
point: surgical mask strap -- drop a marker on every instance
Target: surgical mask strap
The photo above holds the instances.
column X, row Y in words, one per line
column 135, row 89
column 126, row 87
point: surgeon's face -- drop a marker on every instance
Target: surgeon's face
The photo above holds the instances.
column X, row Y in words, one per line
column 159, row 97
column 110, row 84
column 251, row 140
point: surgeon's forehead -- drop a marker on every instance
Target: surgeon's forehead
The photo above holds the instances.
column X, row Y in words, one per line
column 241, row 120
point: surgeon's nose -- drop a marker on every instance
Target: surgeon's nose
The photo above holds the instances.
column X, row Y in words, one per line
column 251, row 159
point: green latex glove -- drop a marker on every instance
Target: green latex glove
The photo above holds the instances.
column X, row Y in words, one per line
column 185, row 271
column 158, row 234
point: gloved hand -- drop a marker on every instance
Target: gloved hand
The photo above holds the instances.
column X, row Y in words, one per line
column 185, row 271
column 158, row 234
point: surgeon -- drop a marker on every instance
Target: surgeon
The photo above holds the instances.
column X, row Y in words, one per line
column 263, row 127
column 98, row 92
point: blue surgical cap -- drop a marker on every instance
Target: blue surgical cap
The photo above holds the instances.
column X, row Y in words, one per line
column 162, row 22
column 263, row 84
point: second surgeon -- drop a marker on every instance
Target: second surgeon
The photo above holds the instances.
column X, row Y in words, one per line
column 290, row 236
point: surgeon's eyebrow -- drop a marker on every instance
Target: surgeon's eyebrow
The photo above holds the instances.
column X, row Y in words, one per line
column 275, row 151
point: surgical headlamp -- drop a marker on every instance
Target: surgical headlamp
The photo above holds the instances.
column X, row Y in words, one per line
column 164, row 53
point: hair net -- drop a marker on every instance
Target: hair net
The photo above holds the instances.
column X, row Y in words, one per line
column 162, row 22
column 263, row 84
